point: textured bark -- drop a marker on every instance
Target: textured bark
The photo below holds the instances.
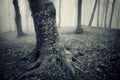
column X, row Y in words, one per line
column 49, row 53
column 93, row 13
column 18, row 19
column 79, row 29
column 107, row 4
column 112, row 11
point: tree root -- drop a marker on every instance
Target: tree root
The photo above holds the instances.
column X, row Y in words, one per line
column 44, row 62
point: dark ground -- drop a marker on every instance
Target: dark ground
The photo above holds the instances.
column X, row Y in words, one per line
column 98, row 53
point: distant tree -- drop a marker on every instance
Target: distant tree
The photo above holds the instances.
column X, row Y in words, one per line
column 112, row 11
column 79, row 29
column 27, row 14
column 106, row 12
column 98, row 15
column 59, row 24
column 48, row 52
column 0, row 26
column 93, row 13
column 118, row 16
column 103, row 13
column 18, row 19
column 0, row 30
column 9, row 14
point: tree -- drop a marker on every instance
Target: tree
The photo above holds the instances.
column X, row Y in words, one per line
column 103, row 14
column 9, row 18
column 107, row 4
column 48, row 53
column 98, row 13
column 112, row 11
column 79, row 29
column 18, row 19
column 93, row 13
column 59, row 24
column 118, row 16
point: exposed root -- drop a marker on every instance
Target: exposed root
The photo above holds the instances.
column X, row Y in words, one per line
column 45, row 62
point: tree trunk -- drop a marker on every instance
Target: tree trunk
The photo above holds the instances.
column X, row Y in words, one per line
column 93, row 13
column 98, row 15
column 59, row 24
column 112, row 11
column 18, row 19
column 79, row 29
column 117, row 23
column 27, row 15
column 9, row 18
column 49, row 53
column 103, row 14
column 107, row 4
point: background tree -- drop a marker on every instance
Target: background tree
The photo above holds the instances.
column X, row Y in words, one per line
column 98, row 15
column 9, row 14
column 118, row 16
column 59, row 23
column 93, row 13
column 79, row 29
column 103, row 13
column 106, row 12
column 112, row 11
column 48, row 52
column 27, row 14
column 18, row 19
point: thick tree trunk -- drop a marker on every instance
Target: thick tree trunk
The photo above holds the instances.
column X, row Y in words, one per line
column 49, row 53
column 18, row 19
column 93, row 13
column 106, row 12
column 112, row 11
column 79, row 29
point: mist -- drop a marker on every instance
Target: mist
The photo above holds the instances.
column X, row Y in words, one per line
column 68, row 14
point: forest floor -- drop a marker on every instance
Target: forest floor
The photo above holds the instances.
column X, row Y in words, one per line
column 98, row 52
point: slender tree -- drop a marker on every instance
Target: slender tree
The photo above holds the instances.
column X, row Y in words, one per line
column 48, row 53
column 18, row 19
column 98, row 15
column 112, row 11
column 106, row 12
column 27, row 14
column 103, row 13
column 59, row 24
column 79, row 29
column 118, row 16
column 9, row 14
column 93, row 13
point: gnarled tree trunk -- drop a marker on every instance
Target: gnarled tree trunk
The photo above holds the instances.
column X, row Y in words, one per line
column 49, row 53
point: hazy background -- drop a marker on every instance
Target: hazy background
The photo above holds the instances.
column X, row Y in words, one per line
column 68, row 14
